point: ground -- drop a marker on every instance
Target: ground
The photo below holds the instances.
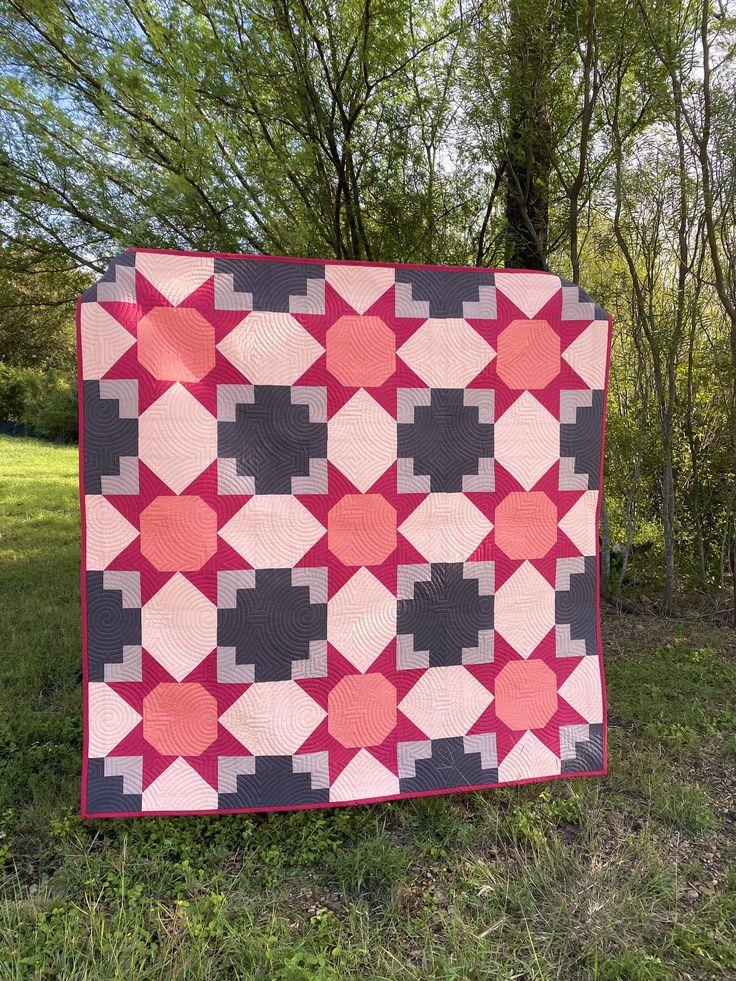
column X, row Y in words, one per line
column 625, row 878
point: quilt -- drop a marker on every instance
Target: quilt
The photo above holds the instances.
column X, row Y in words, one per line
column 339, row 531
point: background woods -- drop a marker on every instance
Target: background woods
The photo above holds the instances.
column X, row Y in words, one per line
column 594, row 138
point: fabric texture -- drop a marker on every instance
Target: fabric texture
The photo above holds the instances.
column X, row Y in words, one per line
column 339, row 531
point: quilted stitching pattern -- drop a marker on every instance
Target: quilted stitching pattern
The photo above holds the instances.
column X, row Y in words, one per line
column 340, row 532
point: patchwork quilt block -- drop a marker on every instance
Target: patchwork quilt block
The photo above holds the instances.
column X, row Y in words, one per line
column 339, row 532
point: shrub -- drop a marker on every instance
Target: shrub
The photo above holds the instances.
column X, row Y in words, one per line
column 19, row 389
column 55, row 414
column 44, row 402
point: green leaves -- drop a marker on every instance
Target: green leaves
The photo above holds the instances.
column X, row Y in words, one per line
column 270, row 126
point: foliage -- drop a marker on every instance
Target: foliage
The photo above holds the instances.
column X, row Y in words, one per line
column 165, row 125
column 20, row 390
column 37, row 295
column 55, row 415
column 45, row 403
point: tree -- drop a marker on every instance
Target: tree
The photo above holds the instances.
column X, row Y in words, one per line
column 37, row 296
column 533, row 25
column 278, row 126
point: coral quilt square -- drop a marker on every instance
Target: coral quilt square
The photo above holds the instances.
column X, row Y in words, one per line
column 340, row 532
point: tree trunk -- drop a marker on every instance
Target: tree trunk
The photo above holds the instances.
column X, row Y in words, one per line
column 529, row 134
column 605, row 538
column 668, row 514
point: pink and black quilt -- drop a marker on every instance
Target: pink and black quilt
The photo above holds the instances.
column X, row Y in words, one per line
column 339, row 531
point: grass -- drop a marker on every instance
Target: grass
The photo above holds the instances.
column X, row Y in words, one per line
column 626, row 878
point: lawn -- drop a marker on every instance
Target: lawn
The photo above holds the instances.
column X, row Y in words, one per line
column 625, row 877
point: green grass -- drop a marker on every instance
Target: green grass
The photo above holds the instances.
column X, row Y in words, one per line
column 626, row 877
